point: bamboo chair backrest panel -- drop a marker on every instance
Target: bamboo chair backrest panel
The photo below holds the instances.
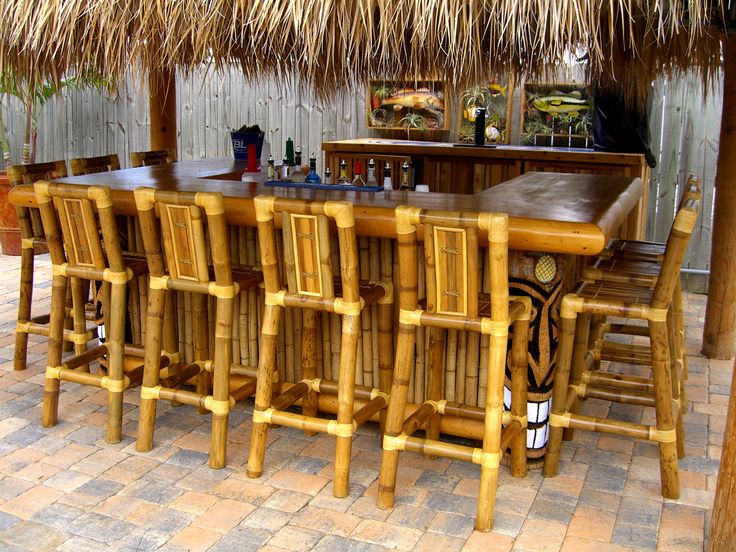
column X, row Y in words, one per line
column 77, row 213
column 183, row 230
column 451, row 260
column 92, row 165
column 30, row 174
column 307, row 251
column 154, row 157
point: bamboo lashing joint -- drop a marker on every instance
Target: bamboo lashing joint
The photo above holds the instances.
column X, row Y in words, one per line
column 350, row 308
column 657, row 315
column 42, row 191
column 313, row 384
column 685, row 220
column 113, row 385
column 341, row 430
column 662, row 435
column 523, row 420
column 410, row 318
column 397, row 442
column 342, row 212
column 158, row 282
column 263, row 416
column 27, row 243
column 571, row 305
column 173, row 357
column 439, row 406
column 223, row 292
column 151, row 392
column 53, row 372
column 221, row 408
column 205, row 365
column 264, row 208
column 486, row 459
column 210, row 202
column 122, row 277
column 497, row 226
column 79, row 338
column 23, row 327
column 560, row 420
column 407, row 218
column 101, row 197
column 498, row 328
column 144, row 198
column 375, row 392
column 59, row 269
column 275, row 298
column 579, row 389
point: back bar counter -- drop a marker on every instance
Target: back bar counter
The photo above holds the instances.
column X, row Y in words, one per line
column 554, row 219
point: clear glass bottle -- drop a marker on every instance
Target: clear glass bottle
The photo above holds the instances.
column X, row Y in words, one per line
column 343, row 179
column 328, row 176
column 285, row 177
column 371, row 178
column 358, row 174
column 271, row 175
column 405, row 176
column 312, row 176
column 387, row 183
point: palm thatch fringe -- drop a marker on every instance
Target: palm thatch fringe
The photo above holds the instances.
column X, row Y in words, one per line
column 334, row 45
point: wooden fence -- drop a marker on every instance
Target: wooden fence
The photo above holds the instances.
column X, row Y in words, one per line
column 685, row 125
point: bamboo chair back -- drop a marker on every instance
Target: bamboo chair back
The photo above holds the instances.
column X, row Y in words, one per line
column 395, row 161
column 72, row 215
column 182, row 231
column 677, row 242
column 155, row 157
column 307, row 260
column 91, row 165
column 451, row 253
column 29, row 219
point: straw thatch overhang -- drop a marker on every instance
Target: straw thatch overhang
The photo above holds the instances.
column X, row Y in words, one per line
column 334, row 45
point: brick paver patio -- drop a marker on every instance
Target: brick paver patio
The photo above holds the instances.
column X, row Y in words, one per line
column 64, row 488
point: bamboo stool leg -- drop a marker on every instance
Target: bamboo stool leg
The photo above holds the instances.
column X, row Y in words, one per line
column 663, row 407
column 559, row 392
column 78, row 319
column 385, row 353
column 345, row 399
column 676, row 380
column 309, row 362
column 27, row 256
column 201, row 344
column 680, row 328
column 403, row 365
column 264, row 388
column 435, row 383
column 519, row 386
column 68, row 346
column 579, row 350
column 221, row 379
column 50, row 413
column 154, row 329
column 115, row 339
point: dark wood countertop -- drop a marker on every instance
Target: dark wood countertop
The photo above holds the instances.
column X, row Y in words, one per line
column 554, row 212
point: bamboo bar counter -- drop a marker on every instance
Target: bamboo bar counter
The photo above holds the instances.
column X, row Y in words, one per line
column 554, row 218
column 467, row 170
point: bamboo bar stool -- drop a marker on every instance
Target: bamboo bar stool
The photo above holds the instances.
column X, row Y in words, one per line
column 311, row 286
column 33, row 241
column 451, row 256
column 73, row 217
column 575, row 380
column 183, row 266
column 155, row 157
column 92, row 165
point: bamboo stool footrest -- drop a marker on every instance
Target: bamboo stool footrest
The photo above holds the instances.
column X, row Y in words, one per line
column 626, row 329
column 37, row 328
column 614, row 427
column 618, row 381
column 431, row 447
column 303, row 423
column 618, row 395
column 624, row 352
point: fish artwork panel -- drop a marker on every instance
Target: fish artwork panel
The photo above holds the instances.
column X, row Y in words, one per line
column 495, row 97
column 402, row 105
column 557, row 115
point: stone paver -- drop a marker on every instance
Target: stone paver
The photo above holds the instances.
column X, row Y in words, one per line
column 65, row 489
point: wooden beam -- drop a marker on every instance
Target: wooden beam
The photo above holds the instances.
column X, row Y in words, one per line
column 720, row 311
column 723, row 524
column 162, row 98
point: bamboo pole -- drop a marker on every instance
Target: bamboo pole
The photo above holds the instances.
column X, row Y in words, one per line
column 162, row 98
column 719, row 334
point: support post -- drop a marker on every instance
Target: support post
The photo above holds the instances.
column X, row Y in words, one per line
column 723, row 525
column 162, row 105
column 720, row 313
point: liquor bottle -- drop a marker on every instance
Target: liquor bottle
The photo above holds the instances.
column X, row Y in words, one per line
column 387, row 184
column 343, row 179
column 371, row 179
column 297, row 173
column 285, row 170
column 357, row 171
column 289, row 152
column 312, row 176
column 328, row 176
column 405, row 176
column 271, row 175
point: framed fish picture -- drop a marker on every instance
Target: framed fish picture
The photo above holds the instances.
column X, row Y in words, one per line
column 407, row 105
column 556, row 115
column 496, row 97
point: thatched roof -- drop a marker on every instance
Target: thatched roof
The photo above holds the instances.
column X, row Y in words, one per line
column 337, row 44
